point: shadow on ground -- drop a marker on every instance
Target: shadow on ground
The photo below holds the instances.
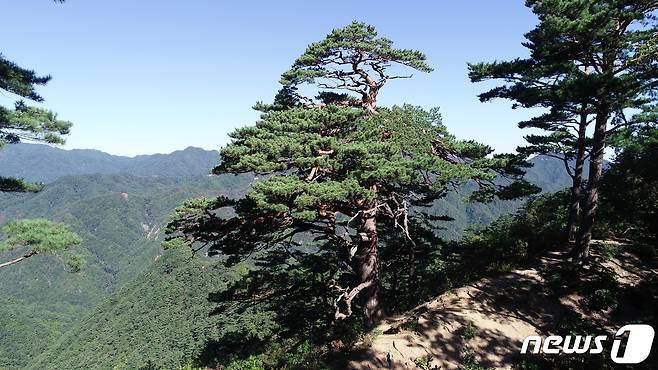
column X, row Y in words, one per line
column 483, row 325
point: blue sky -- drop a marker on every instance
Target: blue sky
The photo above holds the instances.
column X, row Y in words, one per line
column 141, row 77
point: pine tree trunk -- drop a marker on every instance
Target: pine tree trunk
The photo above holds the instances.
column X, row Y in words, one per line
column 581, row 250
column 574, row 205
column 367, row 267
column 370, row 99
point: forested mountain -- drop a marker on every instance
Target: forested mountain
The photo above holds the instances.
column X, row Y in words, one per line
column 160, row 320
column 43, row 163
column 119, row 218
column 119, row 213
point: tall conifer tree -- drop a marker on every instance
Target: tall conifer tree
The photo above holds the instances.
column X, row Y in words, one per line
column 338, row 170
column 588, row 58
column 557, row 86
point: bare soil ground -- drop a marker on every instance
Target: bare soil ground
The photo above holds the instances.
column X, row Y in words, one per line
column 485, row 322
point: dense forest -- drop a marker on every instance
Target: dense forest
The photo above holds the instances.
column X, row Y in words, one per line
column 337, row 232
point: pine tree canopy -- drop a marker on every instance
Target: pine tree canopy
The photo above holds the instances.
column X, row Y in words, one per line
column 621, row 55
column 338, row 177
column 351, row 58
column 38, row 236
column 24, row 122
column 33, row 124
column 582, row 53
column 338, row 159
column 20, row 81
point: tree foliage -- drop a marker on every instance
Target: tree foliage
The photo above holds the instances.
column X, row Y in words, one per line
column 560, row 86
column 619, row 35
column 35, row 124
column 352, row 58
column 38, row 236
column 23, row 122
column 116, row 251
column 588, row 59
column 120, row 235
column 339, row 181
column 630, row 187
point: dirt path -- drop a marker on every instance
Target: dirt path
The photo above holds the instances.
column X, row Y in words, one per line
column 484, row 323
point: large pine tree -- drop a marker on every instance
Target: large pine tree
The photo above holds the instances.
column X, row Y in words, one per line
column 621, row 49
column 589, row 58
column 340, row 174
column 547, row 81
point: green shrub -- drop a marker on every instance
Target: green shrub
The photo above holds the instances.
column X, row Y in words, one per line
column 509, row 241
column 603, row 299
column 573, row 324
column 250, row 363
column 469, row 361
column 610, row 250
column 292, row 354
column 425, row 363
column 467, row 331
column 367, row 339
column 629, row 188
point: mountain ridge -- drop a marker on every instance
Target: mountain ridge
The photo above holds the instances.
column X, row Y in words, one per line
column 44, row 163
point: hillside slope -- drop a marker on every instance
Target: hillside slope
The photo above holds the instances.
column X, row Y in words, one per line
column 167, row 305
column 119, row 218
column 483, row 325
